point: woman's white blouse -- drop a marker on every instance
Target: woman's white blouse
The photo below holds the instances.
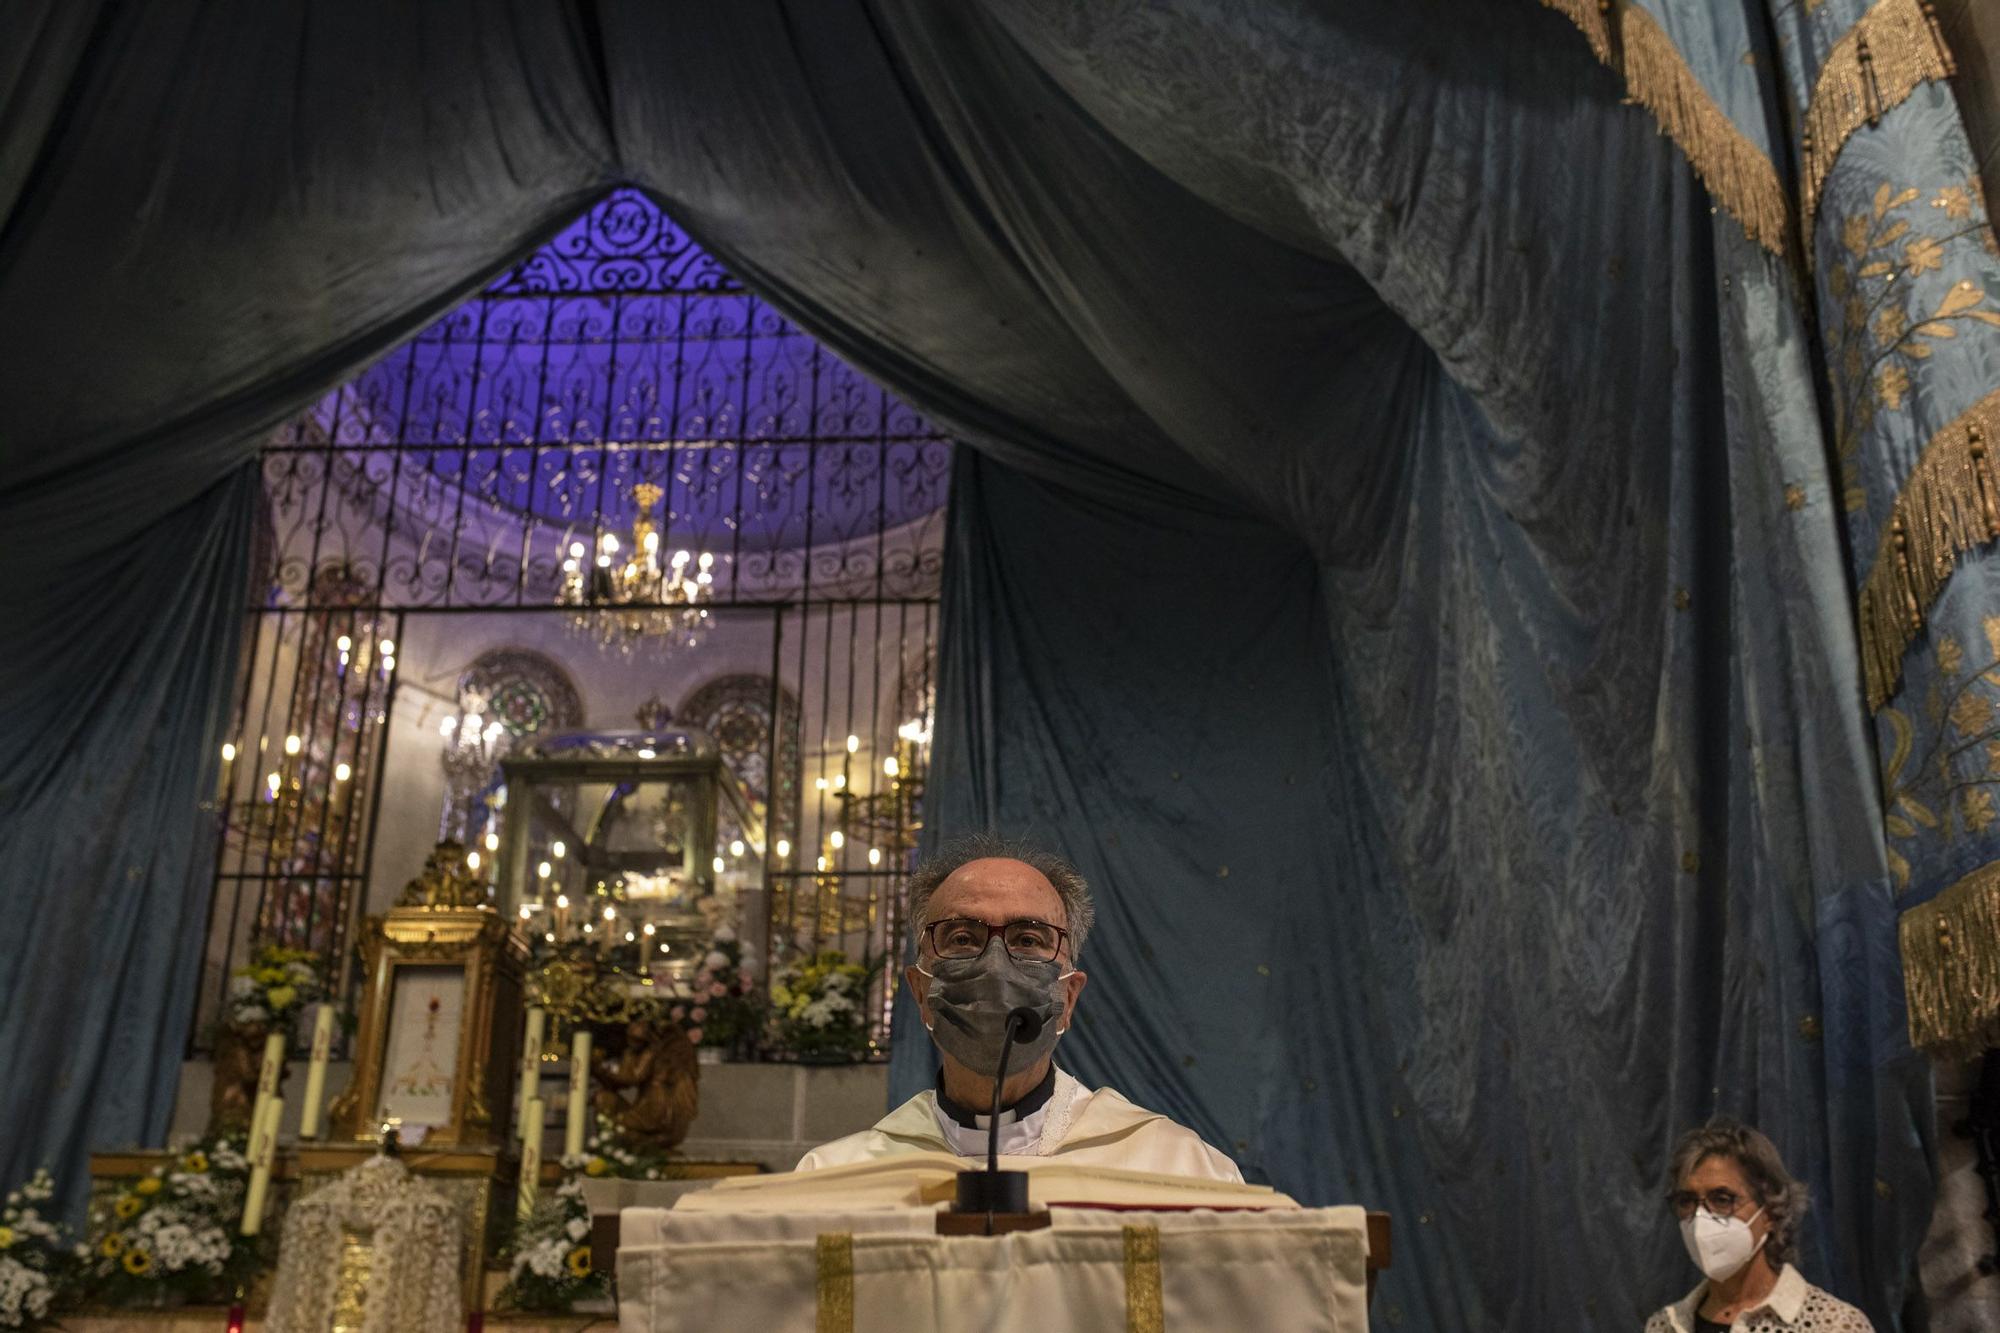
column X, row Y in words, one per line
column 1794, row 1304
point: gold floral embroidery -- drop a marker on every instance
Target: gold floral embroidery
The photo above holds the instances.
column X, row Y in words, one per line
column 1925, row 254
column 1955, row 202
column 1890, row 386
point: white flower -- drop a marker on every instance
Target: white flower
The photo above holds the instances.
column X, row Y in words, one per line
column 241, row 988
column 725, row 934
column 716, row 958
column 577, row 1228
column 250, row 1015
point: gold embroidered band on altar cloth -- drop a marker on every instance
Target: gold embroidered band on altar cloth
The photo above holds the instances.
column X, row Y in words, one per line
column 1951, row 967
column 1885, row 56
column 1145, row 1306
column 834, row 1280
column 1949, row 506
column 1737, row 173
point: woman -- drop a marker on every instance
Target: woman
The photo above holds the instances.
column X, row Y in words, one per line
column 1739, row 1212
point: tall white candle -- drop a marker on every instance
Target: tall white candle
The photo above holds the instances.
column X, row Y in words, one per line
column 579, row 1092
column 531, row 1156
column 268, row 1075
column 531, row 1060
column 263, row 1153
column 322, row 1050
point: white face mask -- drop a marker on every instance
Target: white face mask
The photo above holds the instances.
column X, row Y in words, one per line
column 1720, row 1246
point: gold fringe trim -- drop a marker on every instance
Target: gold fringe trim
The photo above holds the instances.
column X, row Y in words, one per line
column 1948, row 507
column 1738, row 175
column 1885, row 56
column 1951, row 967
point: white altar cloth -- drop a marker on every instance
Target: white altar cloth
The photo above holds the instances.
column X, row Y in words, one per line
column 885, row 1269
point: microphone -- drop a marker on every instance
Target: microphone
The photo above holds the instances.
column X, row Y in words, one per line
column 993, row 1190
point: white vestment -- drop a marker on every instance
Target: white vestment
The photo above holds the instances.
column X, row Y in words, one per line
column 1094, row 1128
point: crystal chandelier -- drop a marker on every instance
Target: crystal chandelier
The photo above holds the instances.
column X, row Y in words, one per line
column 625, row 598
column 473, row 746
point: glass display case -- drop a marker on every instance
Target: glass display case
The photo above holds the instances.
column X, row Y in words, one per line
column 635, row 845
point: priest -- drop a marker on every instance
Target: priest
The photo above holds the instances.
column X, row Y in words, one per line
column 998, row 927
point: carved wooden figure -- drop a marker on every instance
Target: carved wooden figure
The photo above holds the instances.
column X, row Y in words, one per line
column 658, row 1064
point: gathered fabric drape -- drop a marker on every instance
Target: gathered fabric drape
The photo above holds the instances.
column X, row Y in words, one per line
column 1400, row 558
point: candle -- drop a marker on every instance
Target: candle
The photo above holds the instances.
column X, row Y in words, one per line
column 579, row 1092
column 263, row 1151
column 322, row 1048
column 531, row 1156
column 531, row 1060
column 268, row 1076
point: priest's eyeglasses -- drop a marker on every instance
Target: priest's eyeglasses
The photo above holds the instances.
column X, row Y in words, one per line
column 1716, row 1203
column 1029, row 940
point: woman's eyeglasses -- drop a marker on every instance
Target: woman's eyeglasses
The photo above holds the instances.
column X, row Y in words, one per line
column 1717, row 1203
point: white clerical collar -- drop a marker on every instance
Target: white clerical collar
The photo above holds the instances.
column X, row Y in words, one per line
column 1021, row 1135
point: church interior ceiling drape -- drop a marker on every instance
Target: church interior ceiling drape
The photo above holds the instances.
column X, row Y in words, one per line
column 1493, row 595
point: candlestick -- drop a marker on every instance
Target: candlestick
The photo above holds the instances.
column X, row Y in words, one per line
column 531, row 1156
column 531, row 1060
column 322, row 1048
column 263, row 1151
column 268, row 1076
column 579, row 1092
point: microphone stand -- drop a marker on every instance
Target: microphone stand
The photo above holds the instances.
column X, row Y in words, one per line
column 992, row 1190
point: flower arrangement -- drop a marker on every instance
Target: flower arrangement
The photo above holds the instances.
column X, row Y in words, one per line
column 549, row 1264
column 722, row 1006
column 37, row 1263
column 275, row 986
column 818, row 1007
column 171, row 1234
column 607, row 1154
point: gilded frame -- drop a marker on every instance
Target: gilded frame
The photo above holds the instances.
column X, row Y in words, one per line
column 493, row 956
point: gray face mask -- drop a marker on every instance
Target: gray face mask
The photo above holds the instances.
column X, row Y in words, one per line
column 970, row 999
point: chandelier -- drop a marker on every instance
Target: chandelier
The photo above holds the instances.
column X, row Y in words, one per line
column 625, row 597
column 473, row 747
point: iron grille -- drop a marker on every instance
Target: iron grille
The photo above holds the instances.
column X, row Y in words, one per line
column 446, row 484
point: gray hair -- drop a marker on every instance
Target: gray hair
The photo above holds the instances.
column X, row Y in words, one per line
column 1068, row 881
column 1782, row 1196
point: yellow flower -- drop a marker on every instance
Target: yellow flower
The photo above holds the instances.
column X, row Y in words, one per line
column 137, row 1262
column 150, row 1185
column 278, row 997
column 112, row 1245
column 579, row 1262
column 195, row 1162
column 6, row 1237
column 597, row 1166
column 128, row 1206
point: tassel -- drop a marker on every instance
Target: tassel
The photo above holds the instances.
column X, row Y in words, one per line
column 1888, row 53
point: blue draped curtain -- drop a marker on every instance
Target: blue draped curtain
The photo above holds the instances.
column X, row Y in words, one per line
column 1401, row 558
